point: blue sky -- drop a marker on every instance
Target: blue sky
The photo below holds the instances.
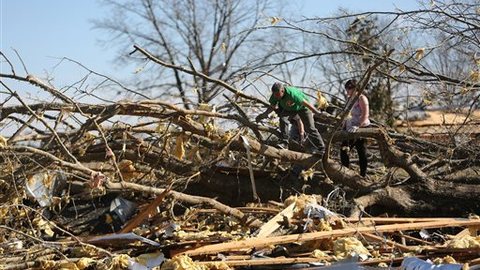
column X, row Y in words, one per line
column 44, row 31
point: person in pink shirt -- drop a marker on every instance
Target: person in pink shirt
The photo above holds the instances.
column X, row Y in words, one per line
column 359, row 118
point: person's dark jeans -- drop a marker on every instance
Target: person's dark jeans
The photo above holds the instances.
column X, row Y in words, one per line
column 313, row 137
column 362, row 154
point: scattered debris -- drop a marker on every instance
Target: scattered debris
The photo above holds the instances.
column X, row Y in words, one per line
column 172, row 189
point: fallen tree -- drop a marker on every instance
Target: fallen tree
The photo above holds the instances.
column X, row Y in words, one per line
column 197, row 154
column 69, row 166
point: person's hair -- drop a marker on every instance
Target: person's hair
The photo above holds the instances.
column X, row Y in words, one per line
column 352, row 83
column 276, row 87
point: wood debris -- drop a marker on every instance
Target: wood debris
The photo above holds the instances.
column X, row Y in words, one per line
column 81, row 189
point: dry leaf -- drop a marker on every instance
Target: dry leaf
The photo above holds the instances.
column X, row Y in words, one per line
column 44, row 225
column 465, row 242
column 66, row 266
column 179, row 147
column 84, row 263
column 122, row 261
column 464, row 90
column 204, row 107
column 160, row 129
column 319, row 254
column 210, row 128
column 126, row 165
column 227, row 136
column 275, row 20
column 47, row 264
column 449, row 259
column 182, row 262
column 307, row 174
column 3, row 142
column 419, row 53
column 322, row 102
column 427, row 101
column 475, row 75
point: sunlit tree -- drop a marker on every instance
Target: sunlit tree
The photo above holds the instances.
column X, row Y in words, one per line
column 216, row 38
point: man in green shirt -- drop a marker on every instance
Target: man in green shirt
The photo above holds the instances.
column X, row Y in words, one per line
column 289, row 102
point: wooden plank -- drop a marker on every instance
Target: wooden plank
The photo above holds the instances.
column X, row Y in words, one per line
column 266, row 261
column 474, row 230
column 389, row 242
column 474, row 262
column 244, row 210
column 416, row 239
column 470, row 231
column 259, row 209
column 262, row 242
column 367, row 221
column 273, row 224
column 447, row 250
column 390, row 220
column 145, row 213
column 463, row 233
column 380, row 239
column 237, row 257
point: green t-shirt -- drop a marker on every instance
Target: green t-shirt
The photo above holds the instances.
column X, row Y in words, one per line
column 292, row 99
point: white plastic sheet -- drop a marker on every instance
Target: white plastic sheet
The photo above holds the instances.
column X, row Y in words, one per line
column 413, row 263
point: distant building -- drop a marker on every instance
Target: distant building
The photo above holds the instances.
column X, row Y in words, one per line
column 441, row 125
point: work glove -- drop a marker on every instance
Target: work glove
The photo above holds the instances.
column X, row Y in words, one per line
column 352, row 129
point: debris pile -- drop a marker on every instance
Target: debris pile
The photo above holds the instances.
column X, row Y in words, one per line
column 300, row 232
column 169, row 187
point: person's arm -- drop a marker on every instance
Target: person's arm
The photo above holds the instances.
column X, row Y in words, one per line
column 264, row 114
column 363, row 102
column 311, row 107
column 300, row 128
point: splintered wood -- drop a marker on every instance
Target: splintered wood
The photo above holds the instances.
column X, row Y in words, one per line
column 301, row 233
column 370, row 241
column 138, row 183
